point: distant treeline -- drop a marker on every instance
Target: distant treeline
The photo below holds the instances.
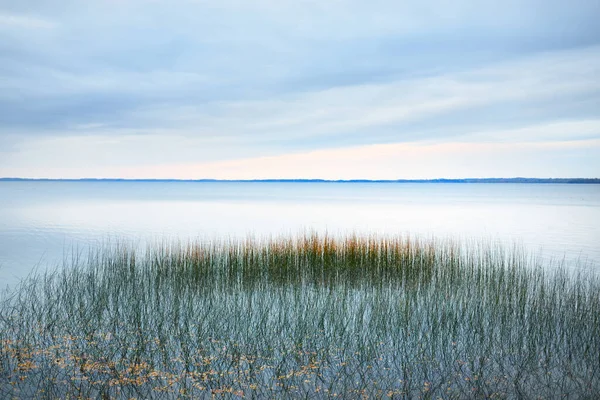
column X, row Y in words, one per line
column 440, row 180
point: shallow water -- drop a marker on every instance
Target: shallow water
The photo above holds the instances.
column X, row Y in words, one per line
column 42, row 222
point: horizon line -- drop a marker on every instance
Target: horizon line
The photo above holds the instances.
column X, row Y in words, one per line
column 315, row 180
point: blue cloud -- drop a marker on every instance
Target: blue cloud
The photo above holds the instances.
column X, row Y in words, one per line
column 269, row 76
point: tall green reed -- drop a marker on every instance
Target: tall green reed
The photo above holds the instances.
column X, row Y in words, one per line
column 309, row 316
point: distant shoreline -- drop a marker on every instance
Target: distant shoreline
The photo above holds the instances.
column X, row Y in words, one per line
column 441, row 180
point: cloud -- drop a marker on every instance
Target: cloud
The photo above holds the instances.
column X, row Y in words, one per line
column 397, row 110
column 201, row 81
column 8, row 21
column 388, row 161
column 568, row 131
column 413, row 160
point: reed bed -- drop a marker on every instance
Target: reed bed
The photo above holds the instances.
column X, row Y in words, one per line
column 310, row 316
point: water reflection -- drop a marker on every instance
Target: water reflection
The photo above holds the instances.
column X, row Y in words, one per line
column 41, row 222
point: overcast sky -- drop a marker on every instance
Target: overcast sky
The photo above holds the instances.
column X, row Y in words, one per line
column 335, row 89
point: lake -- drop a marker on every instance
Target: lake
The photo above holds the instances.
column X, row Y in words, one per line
column 42, row 222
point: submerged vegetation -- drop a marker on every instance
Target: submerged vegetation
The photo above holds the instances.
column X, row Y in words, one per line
column 303, row 317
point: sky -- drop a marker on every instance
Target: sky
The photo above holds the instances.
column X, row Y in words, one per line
column 337, row 89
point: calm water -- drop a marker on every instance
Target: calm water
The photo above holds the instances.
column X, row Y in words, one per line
column 40, row 222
